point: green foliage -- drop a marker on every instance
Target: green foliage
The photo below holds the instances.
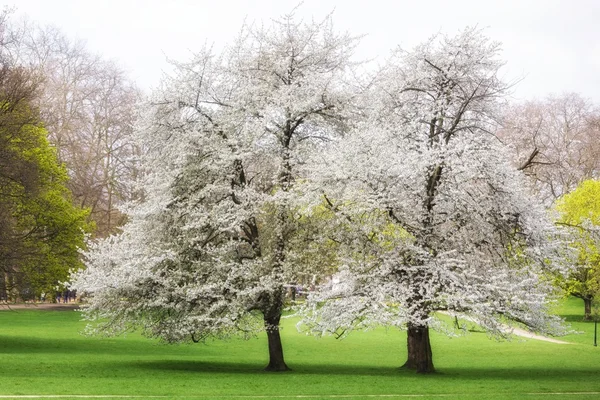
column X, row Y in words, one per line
column 312, row 252
column 317, row 232
column 580, row 211
column 41, row 231
column 581, row 204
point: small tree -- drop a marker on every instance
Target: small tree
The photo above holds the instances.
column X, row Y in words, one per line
column 435, row 217
column 579, row 211
column 226, row 141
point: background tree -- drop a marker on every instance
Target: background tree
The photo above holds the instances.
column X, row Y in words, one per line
column 225, row 145
column 439, row 218
column 40, row 230
column 88, row 105
column 579, row 211
column 556, row 142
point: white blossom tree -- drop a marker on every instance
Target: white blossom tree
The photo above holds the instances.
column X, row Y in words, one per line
column 225, row 143
column 432, row 216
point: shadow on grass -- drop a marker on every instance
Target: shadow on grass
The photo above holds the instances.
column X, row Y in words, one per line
column 254, row 368
column 16, row 308
column 122, row 360
column 490, row 373
column 23, row 344
column 576, row 318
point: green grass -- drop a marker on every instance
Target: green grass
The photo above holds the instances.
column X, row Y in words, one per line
column 43, row 353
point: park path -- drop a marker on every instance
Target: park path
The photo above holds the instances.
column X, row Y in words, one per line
column 516, row 331
column 529, row 335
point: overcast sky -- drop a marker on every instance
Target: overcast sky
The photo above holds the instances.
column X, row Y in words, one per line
column 554, row 45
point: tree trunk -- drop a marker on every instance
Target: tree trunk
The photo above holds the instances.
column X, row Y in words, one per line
column 419, row 350
column 276, row 361
column 587, row 303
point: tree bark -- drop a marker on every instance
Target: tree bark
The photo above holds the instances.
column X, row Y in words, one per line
column 587, row 304
column 276, row 361
column 419, row 350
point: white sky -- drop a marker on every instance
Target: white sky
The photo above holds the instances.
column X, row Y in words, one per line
column 553, row 44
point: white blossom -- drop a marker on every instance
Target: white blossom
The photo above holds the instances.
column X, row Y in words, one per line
column 225, row 142
column 432, row 216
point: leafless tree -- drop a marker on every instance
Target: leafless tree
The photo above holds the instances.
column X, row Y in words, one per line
column 556, row 142
column 88, row 106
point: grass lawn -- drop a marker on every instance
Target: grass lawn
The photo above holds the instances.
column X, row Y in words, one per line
column 43, row 353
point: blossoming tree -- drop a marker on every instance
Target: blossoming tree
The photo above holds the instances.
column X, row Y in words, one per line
column 433, row 217
column 225, row 140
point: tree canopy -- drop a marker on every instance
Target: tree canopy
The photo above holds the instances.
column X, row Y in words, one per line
column 272, row 149
column 439, row 220
column 41, row 231
column 579, row 211
column 555, row 142
column 226, row 141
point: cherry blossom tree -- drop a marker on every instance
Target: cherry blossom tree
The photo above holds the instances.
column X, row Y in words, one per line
column 225, row 144
column 432, row 216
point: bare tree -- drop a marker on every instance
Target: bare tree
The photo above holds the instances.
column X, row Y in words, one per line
column 88, row 106
column 556, row 141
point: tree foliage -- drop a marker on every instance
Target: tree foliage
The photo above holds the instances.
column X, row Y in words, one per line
column 466, row 238
column 579, row 211
column 257, row 157
column 88, row 105
column 226, row 141
column 40, row 229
